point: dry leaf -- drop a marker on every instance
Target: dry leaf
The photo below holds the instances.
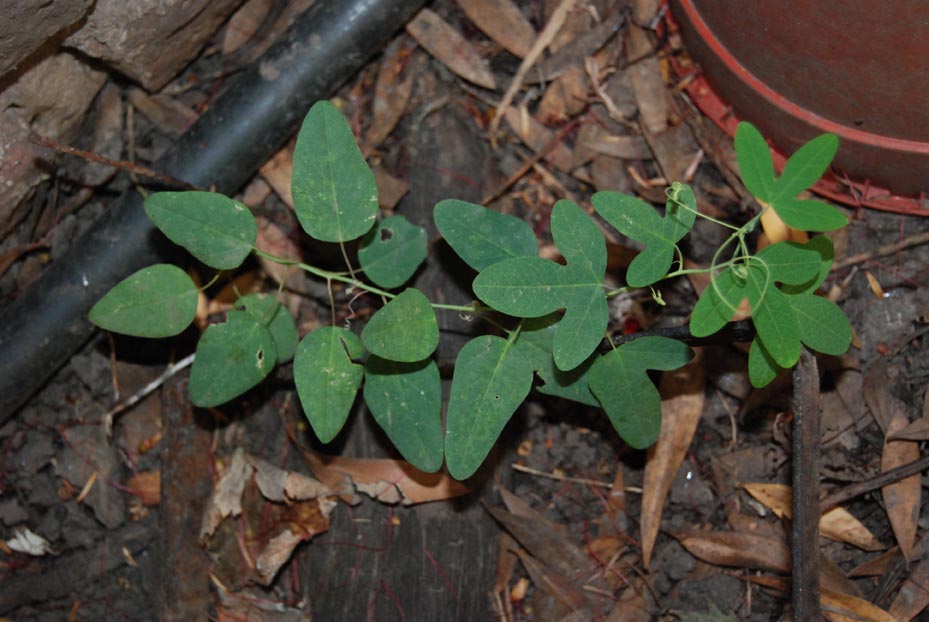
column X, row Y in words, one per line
column 565, row 97
column 913, row 596
column 146, row 485
column 502, row 21
column 164, row 111
column 537, row 137
column 837, row 523
column 742, row 550
column 391, row 92
column 683, row 390
column 875, row 285
column 244, row 23
column 575, row 53
column 300, row 521
column 877, row 566
column 916, row 431
column 450, row 48
column 835, row 607
column 245, row 283
column 272, row 240
column 901, row 499
column 549, row 546
column 649, row 86
column 598, row 139
column 390, row 189
column 633, row 605
column 226, row 499
column 279, row 485
column 277, row 172
column 554, row 583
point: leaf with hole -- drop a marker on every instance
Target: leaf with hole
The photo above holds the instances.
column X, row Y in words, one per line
column 638, row 220
column 391, row 252
column 491, row 380
column 334, row 192
column 404, row 329
column 271, row 313
column 231, row 358
column 158, row 301
column 327, row 378
column 215, row 229
column 406, row 401
column 619, row 381
column 481, row 236
column 533, row 287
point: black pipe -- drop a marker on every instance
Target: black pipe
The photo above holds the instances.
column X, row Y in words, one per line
column 256, row 114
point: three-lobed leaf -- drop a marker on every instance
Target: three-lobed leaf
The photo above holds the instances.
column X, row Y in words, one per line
column 157, row 301
column 215, row 229
column 491, row 380
column 327, row 378
column 404, row 329
column 391, row 252
column 481, row 236
column 334, row 192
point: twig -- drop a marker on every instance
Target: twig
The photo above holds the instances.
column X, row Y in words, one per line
column 804, row 541
column 561, row 478
column 120, row 164
column 145, row 392
column 883, row 251
column 878, row 481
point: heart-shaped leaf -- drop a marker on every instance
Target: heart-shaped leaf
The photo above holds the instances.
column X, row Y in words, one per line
column 638, row 220
column 621, row 384
column 158, row 301
column 215, row 229
column 327, row 378
column 404, row 329
column 335, row 195
column 231, row 358
column 492, row 378
column 271, row 313
column 533, row 287
column 481, row 236
column 406, row 401
column 391, row 252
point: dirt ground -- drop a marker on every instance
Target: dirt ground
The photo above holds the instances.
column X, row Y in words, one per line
column 110, row 514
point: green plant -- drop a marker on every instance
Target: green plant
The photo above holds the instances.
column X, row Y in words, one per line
column 550, row 318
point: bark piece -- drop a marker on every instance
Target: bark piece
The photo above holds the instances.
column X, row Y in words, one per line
column 26, row 26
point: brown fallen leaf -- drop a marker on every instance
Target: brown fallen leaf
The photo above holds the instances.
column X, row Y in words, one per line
column 390, row 189
column 450, row 48
column 299, row 522
column 279, row 485
column 559, row 587
column 742, row 550
column 278, row 171
column 272, row 240
column 580, row 48
column 226, row 499
column 391, row 92
column 835, row 607
column 901, row 499
column 837, row 524
column 683, row 390
column 551, row 547
column 913, row 596
column 164, row 111
column 502, row 21
column 12, row 255
column 599, row 140
column 244, row 23
column 634, row 604
column 916, row 431
column 146, row 485
column 565, row 97
column 649, row 86
column 537, row 136
column 877, row 566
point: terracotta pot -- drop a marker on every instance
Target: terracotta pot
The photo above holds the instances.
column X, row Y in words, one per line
column 798, row 68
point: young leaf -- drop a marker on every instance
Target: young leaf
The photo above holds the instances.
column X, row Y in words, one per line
column 762, row 369
column 822, row 245
column 823, row 326
column 158, row 301
column 272, row 314
column 481, row 236
column 631, row 401
column 335, row 195
column 232, row 357
column 391, row 252
column 533, row 287
column 638, row 220
column 404, row 329
column 535, row 342
column 777, row 326
column 809, row 215
column 788, row 262
column 215, row 229
column 721, row 299
column 806, row 166
column 406, row 401
column 492, row 378
column 327, row 379
column 755, row 165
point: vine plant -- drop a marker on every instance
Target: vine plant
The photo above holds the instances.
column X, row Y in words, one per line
column 554, row 316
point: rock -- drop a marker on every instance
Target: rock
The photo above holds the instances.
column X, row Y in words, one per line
column 150, row 40
column 26, row 26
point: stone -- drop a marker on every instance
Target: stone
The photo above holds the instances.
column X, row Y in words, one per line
column 27, row 25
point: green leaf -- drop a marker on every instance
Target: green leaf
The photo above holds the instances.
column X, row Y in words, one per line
column 232, row 357
column 721, row 298
column 755, row 165
column 533, row 287
column 620, row 382
column 810, row 215
column 762, row 369
column 335, row 195
column 777, row 327
column 806, row 166
column 822, row 245
column 640, row 221
column 327, row 379
column 406, row 401
column 823, row 326
column 215, row 229
column 158, row 301
column 481, row 236
column 789, row 262
column 492, row 378
column 404, row 329
column 391, row 252
column 535, row 343
column 271, row 313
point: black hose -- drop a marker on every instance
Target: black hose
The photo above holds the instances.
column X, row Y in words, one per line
column 256, row 114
